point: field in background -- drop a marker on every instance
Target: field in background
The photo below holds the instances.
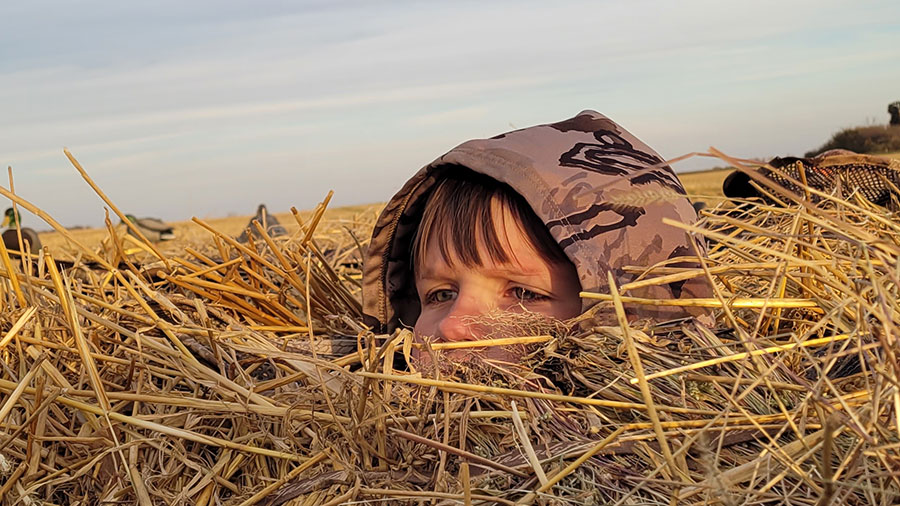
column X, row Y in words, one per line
column 705, row 186
column 191, row 234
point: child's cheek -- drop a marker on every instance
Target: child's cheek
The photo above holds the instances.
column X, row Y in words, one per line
column 423, row 329
column 425, row 325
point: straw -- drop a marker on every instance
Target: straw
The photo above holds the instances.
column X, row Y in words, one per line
column 633, row 356
column 449, row 385
column 245, row 373
column 740, row 356
column 24, row 319
column 741, row 302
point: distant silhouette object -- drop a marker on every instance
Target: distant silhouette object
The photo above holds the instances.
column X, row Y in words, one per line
column 30, row 238
column 268, row 222
column 153, row 229
column 894, row 110
column 872, row 176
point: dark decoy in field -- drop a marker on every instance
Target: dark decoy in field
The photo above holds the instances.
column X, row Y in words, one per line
column 875, row 178
column 267, row 221
column 11, row 238
column 153, row 229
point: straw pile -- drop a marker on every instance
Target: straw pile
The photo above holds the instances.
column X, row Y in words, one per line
column 242, row 375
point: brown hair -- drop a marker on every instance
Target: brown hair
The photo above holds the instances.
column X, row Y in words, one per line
column 459, row 214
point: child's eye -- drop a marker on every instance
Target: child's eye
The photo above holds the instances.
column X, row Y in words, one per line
column 440, row 296
column 526, row 295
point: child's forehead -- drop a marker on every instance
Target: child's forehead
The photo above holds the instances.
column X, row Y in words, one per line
column 521, row 263
column 509, row 228
column 516, row 242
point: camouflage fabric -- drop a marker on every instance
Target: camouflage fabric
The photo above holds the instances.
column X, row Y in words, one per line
column 601, row 192
column 875, row 178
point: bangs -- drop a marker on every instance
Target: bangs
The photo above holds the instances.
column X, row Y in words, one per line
column 460, row 218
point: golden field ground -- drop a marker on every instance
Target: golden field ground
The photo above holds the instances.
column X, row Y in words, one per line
column 703, row 186
column 335, row 222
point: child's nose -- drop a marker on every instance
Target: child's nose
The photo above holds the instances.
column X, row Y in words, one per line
column 457, row 324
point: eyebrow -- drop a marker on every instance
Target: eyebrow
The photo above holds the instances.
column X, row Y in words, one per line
column 517, row 272
column 429, row 273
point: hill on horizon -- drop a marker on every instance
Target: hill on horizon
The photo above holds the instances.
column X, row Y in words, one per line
column 872, row 139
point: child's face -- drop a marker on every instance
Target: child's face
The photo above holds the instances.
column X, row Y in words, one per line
column 451, row 294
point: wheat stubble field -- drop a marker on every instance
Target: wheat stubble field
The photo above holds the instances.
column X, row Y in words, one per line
column 702, row 185
column 188, row 233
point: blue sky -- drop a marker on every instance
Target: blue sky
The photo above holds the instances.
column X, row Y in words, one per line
column 203, row 108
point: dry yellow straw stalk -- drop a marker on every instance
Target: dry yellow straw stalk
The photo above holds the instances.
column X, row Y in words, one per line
column 739, row 302
column 740, row 356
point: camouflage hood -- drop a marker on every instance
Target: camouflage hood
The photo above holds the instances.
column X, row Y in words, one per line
column 601, row 192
